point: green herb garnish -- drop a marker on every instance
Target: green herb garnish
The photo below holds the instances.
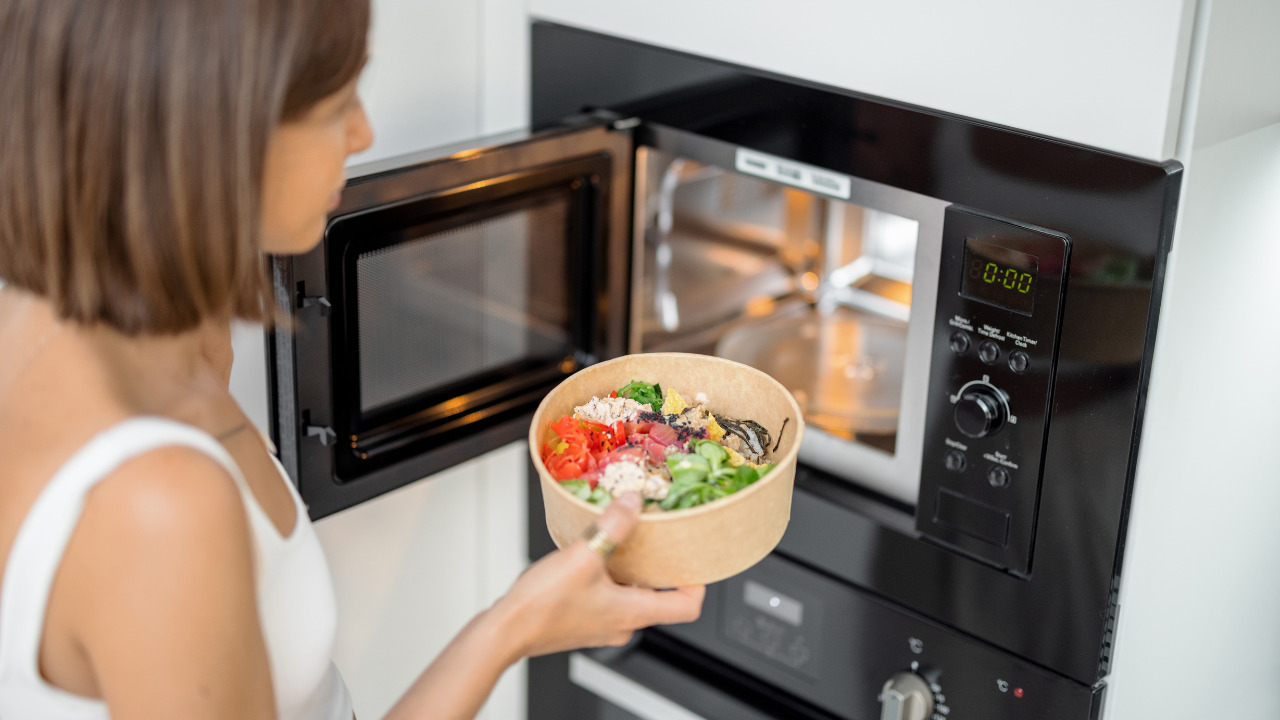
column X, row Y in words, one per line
column 582, row 488
column 705, row 475
column 643, row 393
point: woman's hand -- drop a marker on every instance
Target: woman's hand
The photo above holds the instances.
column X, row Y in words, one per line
column 567, row 600
column 564, row 601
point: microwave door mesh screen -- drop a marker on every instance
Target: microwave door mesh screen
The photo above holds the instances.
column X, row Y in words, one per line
column 439, row 309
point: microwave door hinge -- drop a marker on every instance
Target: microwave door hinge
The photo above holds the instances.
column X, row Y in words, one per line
column 325, row 433
column 316, row 301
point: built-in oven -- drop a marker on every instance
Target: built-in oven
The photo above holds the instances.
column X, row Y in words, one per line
column 965, row 314
column 774, row 643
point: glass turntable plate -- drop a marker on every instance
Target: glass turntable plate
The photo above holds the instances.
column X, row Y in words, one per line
column 843, row 366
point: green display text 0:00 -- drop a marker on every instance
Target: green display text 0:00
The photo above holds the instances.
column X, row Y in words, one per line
column 1010, row 278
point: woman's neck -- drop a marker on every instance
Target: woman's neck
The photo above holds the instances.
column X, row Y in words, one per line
column 152, row 373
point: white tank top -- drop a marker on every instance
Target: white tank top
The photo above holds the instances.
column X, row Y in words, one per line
column 295, row 595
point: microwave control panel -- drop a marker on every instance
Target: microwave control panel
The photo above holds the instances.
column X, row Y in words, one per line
column 1000, row 290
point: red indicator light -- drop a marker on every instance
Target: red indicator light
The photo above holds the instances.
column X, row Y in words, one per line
column 1017, row 692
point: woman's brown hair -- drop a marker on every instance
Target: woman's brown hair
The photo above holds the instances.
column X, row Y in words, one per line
column 133, row 142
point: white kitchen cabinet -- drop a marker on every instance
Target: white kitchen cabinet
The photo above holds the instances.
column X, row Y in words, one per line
column 413, row 566
column 1097, row 72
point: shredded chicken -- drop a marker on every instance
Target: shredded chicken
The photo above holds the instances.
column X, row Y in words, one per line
column 609, row 410
column 623, row 476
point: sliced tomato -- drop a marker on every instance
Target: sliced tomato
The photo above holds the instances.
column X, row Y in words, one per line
column 580, row 446
column 568, row 427
column 573, row 462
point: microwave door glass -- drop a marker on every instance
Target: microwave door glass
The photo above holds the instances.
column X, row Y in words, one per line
column 467, row 302
column 453, row 316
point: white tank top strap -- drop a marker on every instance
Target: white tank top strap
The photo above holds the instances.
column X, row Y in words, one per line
column 42, row 539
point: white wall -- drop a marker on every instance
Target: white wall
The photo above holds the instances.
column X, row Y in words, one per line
column 442, row 72
column 1199, row 624
column 1106, row 73
column 1199, row 629
column 413, row 566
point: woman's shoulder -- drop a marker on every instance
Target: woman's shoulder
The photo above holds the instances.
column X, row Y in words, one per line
column 169, row 488
column 169, row 520
column 161, row 561
column 150, row 488
column 160, row 511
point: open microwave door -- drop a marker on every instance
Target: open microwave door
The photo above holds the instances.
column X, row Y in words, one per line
column 451, row 291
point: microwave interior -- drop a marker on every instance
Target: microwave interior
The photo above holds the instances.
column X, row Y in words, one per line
column 819, row 291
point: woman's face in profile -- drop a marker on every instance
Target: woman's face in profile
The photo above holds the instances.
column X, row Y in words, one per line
column 303, row 178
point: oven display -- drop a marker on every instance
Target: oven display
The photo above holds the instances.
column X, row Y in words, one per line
column 999, row 276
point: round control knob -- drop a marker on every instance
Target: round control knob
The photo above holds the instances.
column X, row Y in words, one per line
column 979, row 412
column 906, row 697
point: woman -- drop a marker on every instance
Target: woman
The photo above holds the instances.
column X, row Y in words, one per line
column 156, row 561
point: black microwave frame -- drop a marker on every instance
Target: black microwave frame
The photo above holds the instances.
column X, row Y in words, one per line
column 339, row 457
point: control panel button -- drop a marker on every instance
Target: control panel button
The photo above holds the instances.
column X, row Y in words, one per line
column 979, row 412
column 956, row 461
column 988, row 351
column 1019, row 361
column 959, row 342
column 998, row 476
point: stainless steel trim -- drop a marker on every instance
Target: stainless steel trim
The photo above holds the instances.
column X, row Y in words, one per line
column 623, row 691
column 896, row 475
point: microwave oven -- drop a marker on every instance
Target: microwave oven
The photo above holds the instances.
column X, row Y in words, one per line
column 965, row 312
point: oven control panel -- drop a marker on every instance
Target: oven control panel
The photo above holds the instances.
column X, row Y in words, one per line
column 855, row 657
column 1000, row 290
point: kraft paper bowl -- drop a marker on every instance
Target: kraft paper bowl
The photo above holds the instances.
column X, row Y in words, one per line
column 702, row 544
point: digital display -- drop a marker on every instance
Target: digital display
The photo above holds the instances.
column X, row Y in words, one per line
column 999, row 276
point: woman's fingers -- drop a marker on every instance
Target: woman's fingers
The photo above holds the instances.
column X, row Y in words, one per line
column 621, row 516
column 661, row 607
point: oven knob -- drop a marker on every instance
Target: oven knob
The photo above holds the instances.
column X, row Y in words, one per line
column 979, row 412
column 906, row 697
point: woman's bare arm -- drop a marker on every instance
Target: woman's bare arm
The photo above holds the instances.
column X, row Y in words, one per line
column 157, row 589
column 564, row 601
